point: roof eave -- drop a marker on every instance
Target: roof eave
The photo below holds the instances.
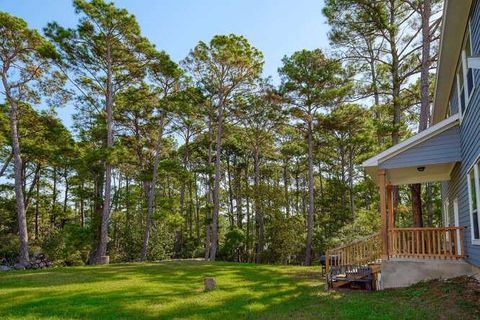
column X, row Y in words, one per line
column 412, row 141
column 455, row 21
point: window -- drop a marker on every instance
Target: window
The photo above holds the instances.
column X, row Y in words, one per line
column 464, row 77
column 474, row 199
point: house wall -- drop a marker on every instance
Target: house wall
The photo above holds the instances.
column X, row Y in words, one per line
column 443, row 148
column 470, row 148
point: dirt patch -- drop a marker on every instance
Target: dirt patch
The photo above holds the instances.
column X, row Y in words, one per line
column 459, row 297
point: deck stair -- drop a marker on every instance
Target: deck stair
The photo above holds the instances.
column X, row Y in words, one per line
column 365, row 258
column 353, row 264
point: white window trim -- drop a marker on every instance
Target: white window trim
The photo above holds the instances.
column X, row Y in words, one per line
column 477, row 190
column 463, row 60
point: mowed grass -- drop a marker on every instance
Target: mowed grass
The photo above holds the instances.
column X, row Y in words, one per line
column 174, row 290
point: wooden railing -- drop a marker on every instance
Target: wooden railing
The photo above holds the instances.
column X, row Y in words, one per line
column 427, row 243
column 359, row 252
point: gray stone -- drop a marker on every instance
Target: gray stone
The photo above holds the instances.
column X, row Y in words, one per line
column 4, row 268
column 210, row 283
column 104, row 260
column 19, row 266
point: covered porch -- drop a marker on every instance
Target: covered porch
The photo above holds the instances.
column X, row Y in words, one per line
column 428, row 156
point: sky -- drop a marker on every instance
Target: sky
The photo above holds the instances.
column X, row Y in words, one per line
column 276, row 27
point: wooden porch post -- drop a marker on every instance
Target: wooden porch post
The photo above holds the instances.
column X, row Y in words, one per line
column 382, row 181
column 391, row 218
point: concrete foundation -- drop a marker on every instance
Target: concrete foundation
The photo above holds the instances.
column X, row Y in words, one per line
column 397, row 273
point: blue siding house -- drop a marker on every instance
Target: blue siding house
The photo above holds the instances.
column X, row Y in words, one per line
column 447, row 152
column 461, row 193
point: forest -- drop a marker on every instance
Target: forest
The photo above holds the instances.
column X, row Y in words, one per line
column 207, row 157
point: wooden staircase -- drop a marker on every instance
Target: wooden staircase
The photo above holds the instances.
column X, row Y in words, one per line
column 355, row 263
column 348, row 263
column 360, row 252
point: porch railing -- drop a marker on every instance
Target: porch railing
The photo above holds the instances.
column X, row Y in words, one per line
column 427, row 243
column 359, row 252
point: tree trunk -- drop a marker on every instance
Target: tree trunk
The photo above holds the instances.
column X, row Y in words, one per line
column 197, row 212
column 417, row 205
column 247, row 209
column 96, row 215
column 286, row 183
column 208, row 214
column 190, row 209
column 178, row 233
column 297, row 188
column 238, row 193
column 429, row 205
column 425, row 9
column 259, row 223
column 37, row 209
column 18, row 164
column 82, row 206
column 320, row 176
column 102, row 246
column 53, row 217
column 424, row 73
column 29, row 192
column 230, row 191
column 311, row 208
column 65, row 198
column 128, row 230
column 350, row 183
column 396, row 83
column 151, row 190
column 218, row 178
column 376, row 94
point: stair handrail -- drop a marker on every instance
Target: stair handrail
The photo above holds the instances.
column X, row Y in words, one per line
column 359, row 251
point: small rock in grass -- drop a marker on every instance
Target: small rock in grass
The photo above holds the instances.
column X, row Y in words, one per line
column 19, row 266
column 4, row 268
column 104, row 260
column 209, row 283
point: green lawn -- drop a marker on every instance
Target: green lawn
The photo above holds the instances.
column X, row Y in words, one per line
column 174, row 290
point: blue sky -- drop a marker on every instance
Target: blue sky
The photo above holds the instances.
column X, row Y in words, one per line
column 276, row 27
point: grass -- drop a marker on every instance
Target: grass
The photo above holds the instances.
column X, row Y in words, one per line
column 174, row 290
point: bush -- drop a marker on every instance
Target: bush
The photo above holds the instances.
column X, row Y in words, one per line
column 192, row 249
column 233, row 245
column 69, row 245
column 9, row 244
column 75, row 259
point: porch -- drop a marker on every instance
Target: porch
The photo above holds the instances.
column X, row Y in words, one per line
column 426, row 157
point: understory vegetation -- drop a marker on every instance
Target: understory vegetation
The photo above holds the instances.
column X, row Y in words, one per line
column 204, row 157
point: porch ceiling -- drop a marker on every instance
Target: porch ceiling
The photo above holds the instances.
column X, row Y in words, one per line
column 426, row 157
column 430, row 173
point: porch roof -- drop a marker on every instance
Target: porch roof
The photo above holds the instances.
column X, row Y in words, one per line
column 425, row 157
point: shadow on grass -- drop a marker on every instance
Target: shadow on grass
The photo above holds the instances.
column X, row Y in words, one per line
column 173, row 290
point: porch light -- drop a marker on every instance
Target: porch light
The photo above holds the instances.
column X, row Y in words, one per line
column 421, row 169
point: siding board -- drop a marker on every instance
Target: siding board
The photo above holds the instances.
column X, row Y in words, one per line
column 469, row 130
column 443, row 148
